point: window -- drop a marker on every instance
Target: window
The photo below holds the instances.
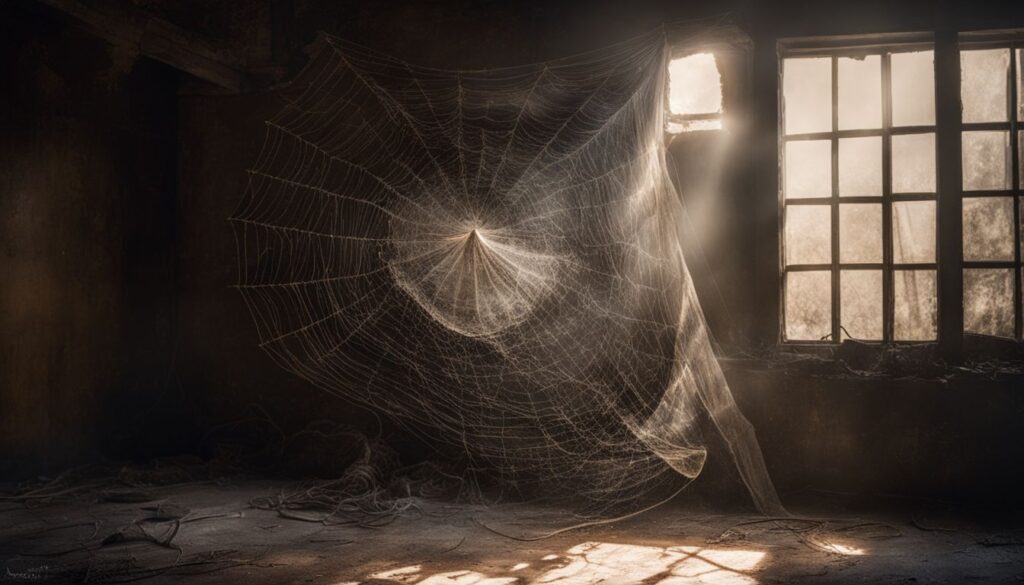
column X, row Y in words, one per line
column 860, row 190
column 859, row 195
column 694, row 94
column 991, row 141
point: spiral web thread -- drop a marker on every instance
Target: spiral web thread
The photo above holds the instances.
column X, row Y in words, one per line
column 493, row 257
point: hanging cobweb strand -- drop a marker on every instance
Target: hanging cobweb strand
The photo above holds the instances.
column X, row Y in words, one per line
column 492, row 257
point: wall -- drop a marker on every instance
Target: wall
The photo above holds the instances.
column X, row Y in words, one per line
column 119, row 259
column 87, row 163
column 950, row 438
column 218, row 359
column 875, row 435
column 227, row 376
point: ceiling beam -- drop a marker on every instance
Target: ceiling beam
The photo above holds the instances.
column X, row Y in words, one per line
column 157, row 39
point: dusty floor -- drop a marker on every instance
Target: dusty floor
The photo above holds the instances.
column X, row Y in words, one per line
column 222, row 539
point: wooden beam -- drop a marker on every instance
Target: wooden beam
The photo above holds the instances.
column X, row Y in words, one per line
column 157, row 39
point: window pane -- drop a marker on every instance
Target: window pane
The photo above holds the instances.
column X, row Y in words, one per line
column 913, row 232
column 808, row 168
column 807, row 95
column 808, row 234
column 985, row 160
column 983, row 85
column 988, row 301
column 1020, row 85
column 988, row 228
column 913, row 88
column 860, row 233
column 913, row 163
column 860, row 166
column 695, row 87
column 914, row 317
column 808, row 305
column 861, row 302
column 860, row 92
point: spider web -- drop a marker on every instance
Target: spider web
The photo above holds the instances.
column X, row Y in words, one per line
column 493, row 257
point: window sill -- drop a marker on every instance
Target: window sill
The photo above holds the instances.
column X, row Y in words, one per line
column 985, row 357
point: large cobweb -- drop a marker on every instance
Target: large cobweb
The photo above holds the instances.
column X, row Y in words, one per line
column 493, row 257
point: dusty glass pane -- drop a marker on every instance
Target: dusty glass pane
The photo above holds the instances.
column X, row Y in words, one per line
column 983, row 85
column 860, row 233
column 808, row 234
column 860, row 166
column 861, row 302
column 860, row 92
column 1020, row 85
column 988, row 228
column 914, row 314
column 913, row 163
column 808, row 305
column 913, row 88
column 807, row 95
column 986, row 165
column 988, row 301
column 808, row 168
column 913, row 232
column 694, row 85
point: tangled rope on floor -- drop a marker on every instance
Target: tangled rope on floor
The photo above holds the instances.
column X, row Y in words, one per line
column 372, row 491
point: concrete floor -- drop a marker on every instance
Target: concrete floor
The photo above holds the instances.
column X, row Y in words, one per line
column 223, row 540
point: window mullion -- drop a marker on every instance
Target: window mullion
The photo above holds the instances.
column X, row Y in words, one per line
column 949, row 234
column 836, row 297
column 1018, row 307
column 888, row 302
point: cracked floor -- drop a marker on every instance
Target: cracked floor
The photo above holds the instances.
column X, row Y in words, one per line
column 209, row 534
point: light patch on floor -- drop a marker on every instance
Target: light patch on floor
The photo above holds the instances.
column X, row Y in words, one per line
column 597, row 562
column 840, row 548
column 591, row 563
column 403, row 574
column 465, row 578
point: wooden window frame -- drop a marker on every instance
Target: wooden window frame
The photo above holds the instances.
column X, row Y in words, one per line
column 836, row 48
column 949, row 263
column 1013, row 42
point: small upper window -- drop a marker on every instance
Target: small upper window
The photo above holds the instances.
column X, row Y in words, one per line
column 694, row 94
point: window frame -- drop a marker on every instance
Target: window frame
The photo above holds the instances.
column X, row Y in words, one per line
column 684, row 119
column 952, row 341
column 732, row 49
column 1013, row 41
column 836, row 48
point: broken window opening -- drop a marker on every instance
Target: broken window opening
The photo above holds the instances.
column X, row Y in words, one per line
column 694, row 94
